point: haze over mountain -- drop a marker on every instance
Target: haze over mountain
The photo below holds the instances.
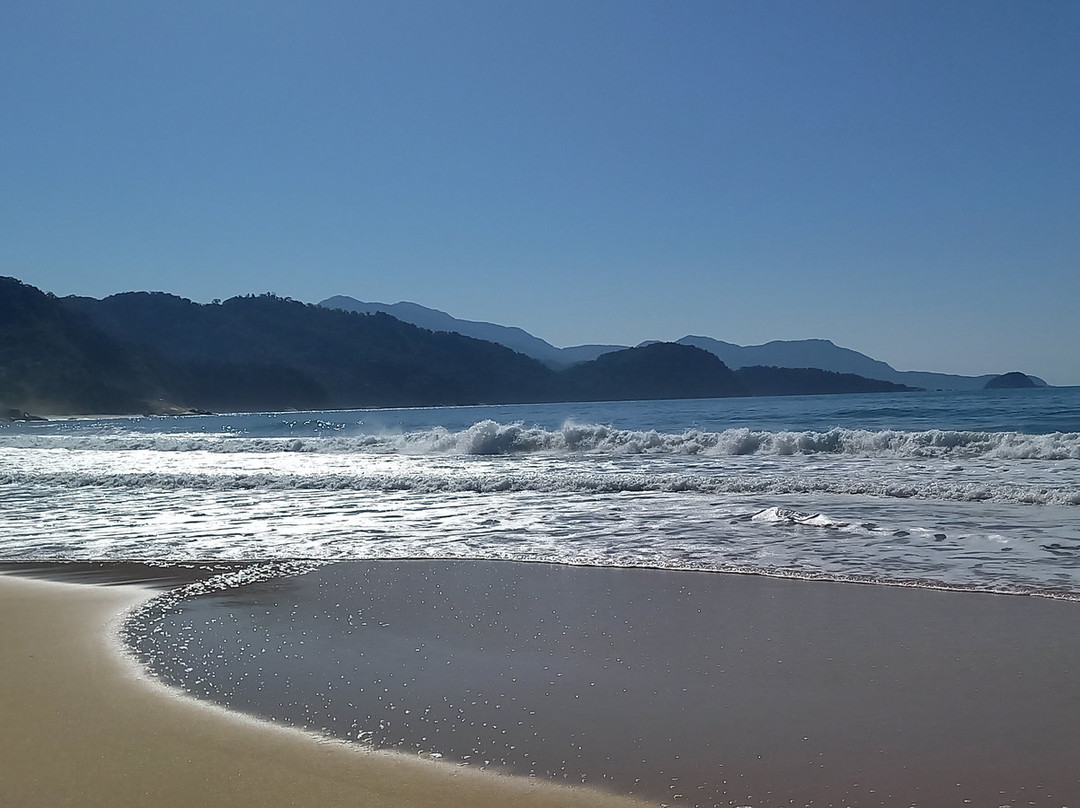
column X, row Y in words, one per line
column 823, row 353
column 806, row 353
column 512, row 337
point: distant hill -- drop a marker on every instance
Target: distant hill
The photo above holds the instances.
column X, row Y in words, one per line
column 659, row 370
column 806, row 353
column 514, row 338
column 673, row 370
column 821, row 353
column 1010, row 381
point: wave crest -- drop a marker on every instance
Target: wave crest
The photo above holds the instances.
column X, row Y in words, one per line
column 489, row 437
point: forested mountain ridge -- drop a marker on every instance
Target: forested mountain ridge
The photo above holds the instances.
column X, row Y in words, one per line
column 152, row 352
column 266, row 352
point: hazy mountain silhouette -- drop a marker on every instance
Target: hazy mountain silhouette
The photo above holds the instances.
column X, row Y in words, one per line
column 807, row 353
column 512, row 337
column 822, row 353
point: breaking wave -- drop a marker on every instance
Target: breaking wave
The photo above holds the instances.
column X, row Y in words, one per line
column 492, row 438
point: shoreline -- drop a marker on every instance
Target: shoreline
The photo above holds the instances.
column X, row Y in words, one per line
column 794, row 692
column 84, row 727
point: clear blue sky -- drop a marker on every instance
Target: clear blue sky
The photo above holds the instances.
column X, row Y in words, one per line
column 902, row 178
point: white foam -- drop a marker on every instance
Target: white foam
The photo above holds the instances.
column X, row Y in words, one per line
column 777, row 502
column 488, row 437
column 977, row 483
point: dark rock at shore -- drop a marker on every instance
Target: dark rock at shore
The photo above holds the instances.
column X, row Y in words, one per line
column 166, row 410
column 15, row 414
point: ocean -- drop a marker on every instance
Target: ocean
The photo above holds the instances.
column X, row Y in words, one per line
column 960, row 490
column 372, row 593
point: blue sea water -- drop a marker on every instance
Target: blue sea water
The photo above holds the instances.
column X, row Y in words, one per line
column 971, row 490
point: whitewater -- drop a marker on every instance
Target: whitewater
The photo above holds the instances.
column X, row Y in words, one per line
column 954, row 490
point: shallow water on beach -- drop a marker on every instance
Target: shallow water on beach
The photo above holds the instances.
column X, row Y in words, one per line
column 679, row 688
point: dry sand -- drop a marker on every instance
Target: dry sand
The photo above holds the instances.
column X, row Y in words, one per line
column 81, row 728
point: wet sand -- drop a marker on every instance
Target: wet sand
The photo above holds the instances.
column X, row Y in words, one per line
column 82, row 728
column 694, row 688
column 682, row 688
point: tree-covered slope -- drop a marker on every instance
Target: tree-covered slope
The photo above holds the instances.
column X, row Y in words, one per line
column 269, row 352
column 52, row 361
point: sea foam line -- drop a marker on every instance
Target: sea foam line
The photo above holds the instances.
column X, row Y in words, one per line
column 433, row 482
column 491, row 438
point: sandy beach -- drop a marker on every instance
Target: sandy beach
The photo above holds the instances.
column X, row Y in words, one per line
column 741, row 690
column 81, row 728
